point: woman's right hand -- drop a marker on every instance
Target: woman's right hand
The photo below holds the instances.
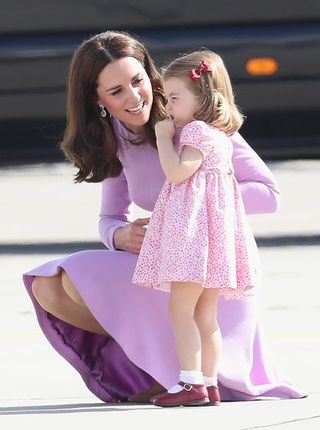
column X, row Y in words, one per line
column 130, row 237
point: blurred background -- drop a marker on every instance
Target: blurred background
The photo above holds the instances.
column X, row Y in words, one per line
column 272, row 51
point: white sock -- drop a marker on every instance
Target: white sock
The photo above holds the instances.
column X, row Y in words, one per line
column 175, row 389
column 210, row 380
column 191, row 376
column 188, row 376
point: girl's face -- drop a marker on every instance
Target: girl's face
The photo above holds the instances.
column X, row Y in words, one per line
column 124, row 89
column 181, row 102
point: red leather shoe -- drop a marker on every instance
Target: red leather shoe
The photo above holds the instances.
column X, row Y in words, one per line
column 191, row 395
column 214, row 396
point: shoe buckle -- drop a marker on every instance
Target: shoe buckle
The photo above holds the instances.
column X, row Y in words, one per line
column 187, row 387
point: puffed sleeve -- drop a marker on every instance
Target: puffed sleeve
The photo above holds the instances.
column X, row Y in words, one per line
column 259, row 189
column 197, row 135
column 115, row 208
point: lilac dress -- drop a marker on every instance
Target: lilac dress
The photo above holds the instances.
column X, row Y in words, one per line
column 198, row 230
column 142, row 347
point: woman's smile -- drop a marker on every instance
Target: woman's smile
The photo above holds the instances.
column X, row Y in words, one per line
column 137, row 109
column 125, row 90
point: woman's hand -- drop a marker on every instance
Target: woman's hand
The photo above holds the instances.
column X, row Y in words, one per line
column 130, row 237
column 164, row 129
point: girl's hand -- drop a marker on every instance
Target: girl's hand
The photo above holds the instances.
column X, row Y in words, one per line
column 165, row 129
column 130, row 237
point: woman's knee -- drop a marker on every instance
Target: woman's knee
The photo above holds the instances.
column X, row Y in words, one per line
column 47, row 290
column 70, row 289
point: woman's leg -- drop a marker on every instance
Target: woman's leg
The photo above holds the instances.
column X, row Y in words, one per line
column 211, row 343
column 58, row 296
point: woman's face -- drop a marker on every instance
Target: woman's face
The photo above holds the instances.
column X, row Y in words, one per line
column 124, row 89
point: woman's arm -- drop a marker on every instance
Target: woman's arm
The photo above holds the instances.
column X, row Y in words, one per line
column 258, row 186
column 115, row 208
column 116, row 231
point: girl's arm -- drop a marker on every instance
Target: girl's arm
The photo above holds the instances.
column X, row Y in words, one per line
column 258, row 186
column 115, row 208
column 176, row 168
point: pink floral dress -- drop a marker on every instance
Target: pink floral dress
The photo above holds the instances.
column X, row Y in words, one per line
column 198, row 230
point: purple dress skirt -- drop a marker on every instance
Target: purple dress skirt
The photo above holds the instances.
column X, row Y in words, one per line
column 141, row 348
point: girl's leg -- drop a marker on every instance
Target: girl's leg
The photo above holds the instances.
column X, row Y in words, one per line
column 58, row 296
column 211, row 343
column 190, row 391
column 182, row 303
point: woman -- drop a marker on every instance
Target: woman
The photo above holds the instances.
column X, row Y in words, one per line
column 116, row 335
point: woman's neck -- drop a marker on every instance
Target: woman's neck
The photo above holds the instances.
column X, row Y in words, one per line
column 133, row 129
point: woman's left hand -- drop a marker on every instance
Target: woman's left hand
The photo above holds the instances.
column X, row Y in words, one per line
column 165, row 129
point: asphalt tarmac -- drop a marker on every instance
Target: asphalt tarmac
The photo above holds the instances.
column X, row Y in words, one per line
column 44, row 215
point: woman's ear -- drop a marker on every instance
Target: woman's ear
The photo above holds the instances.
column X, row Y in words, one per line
column 97, row 98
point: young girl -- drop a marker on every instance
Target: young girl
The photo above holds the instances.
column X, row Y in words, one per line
column 198, row 244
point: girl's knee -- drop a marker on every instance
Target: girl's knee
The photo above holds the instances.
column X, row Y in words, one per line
column 206, row 321
column 178, row 311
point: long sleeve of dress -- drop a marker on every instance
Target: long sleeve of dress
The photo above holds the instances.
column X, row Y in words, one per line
column 258, row 186
column 115, row 208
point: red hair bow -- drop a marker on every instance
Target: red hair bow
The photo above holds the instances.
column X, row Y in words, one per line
column 195, row 74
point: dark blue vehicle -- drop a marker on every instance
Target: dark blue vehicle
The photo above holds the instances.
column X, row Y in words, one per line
column 271, row 49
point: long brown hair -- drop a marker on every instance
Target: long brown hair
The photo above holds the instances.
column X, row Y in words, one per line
column 216, row 99
column 89, row 140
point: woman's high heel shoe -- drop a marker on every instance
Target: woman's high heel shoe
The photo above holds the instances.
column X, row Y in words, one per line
column 145, row 396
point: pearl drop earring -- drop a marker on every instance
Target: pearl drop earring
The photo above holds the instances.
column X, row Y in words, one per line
column 103, row 112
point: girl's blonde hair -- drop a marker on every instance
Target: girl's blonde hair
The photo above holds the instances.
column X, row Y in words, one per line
column 216, row 99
